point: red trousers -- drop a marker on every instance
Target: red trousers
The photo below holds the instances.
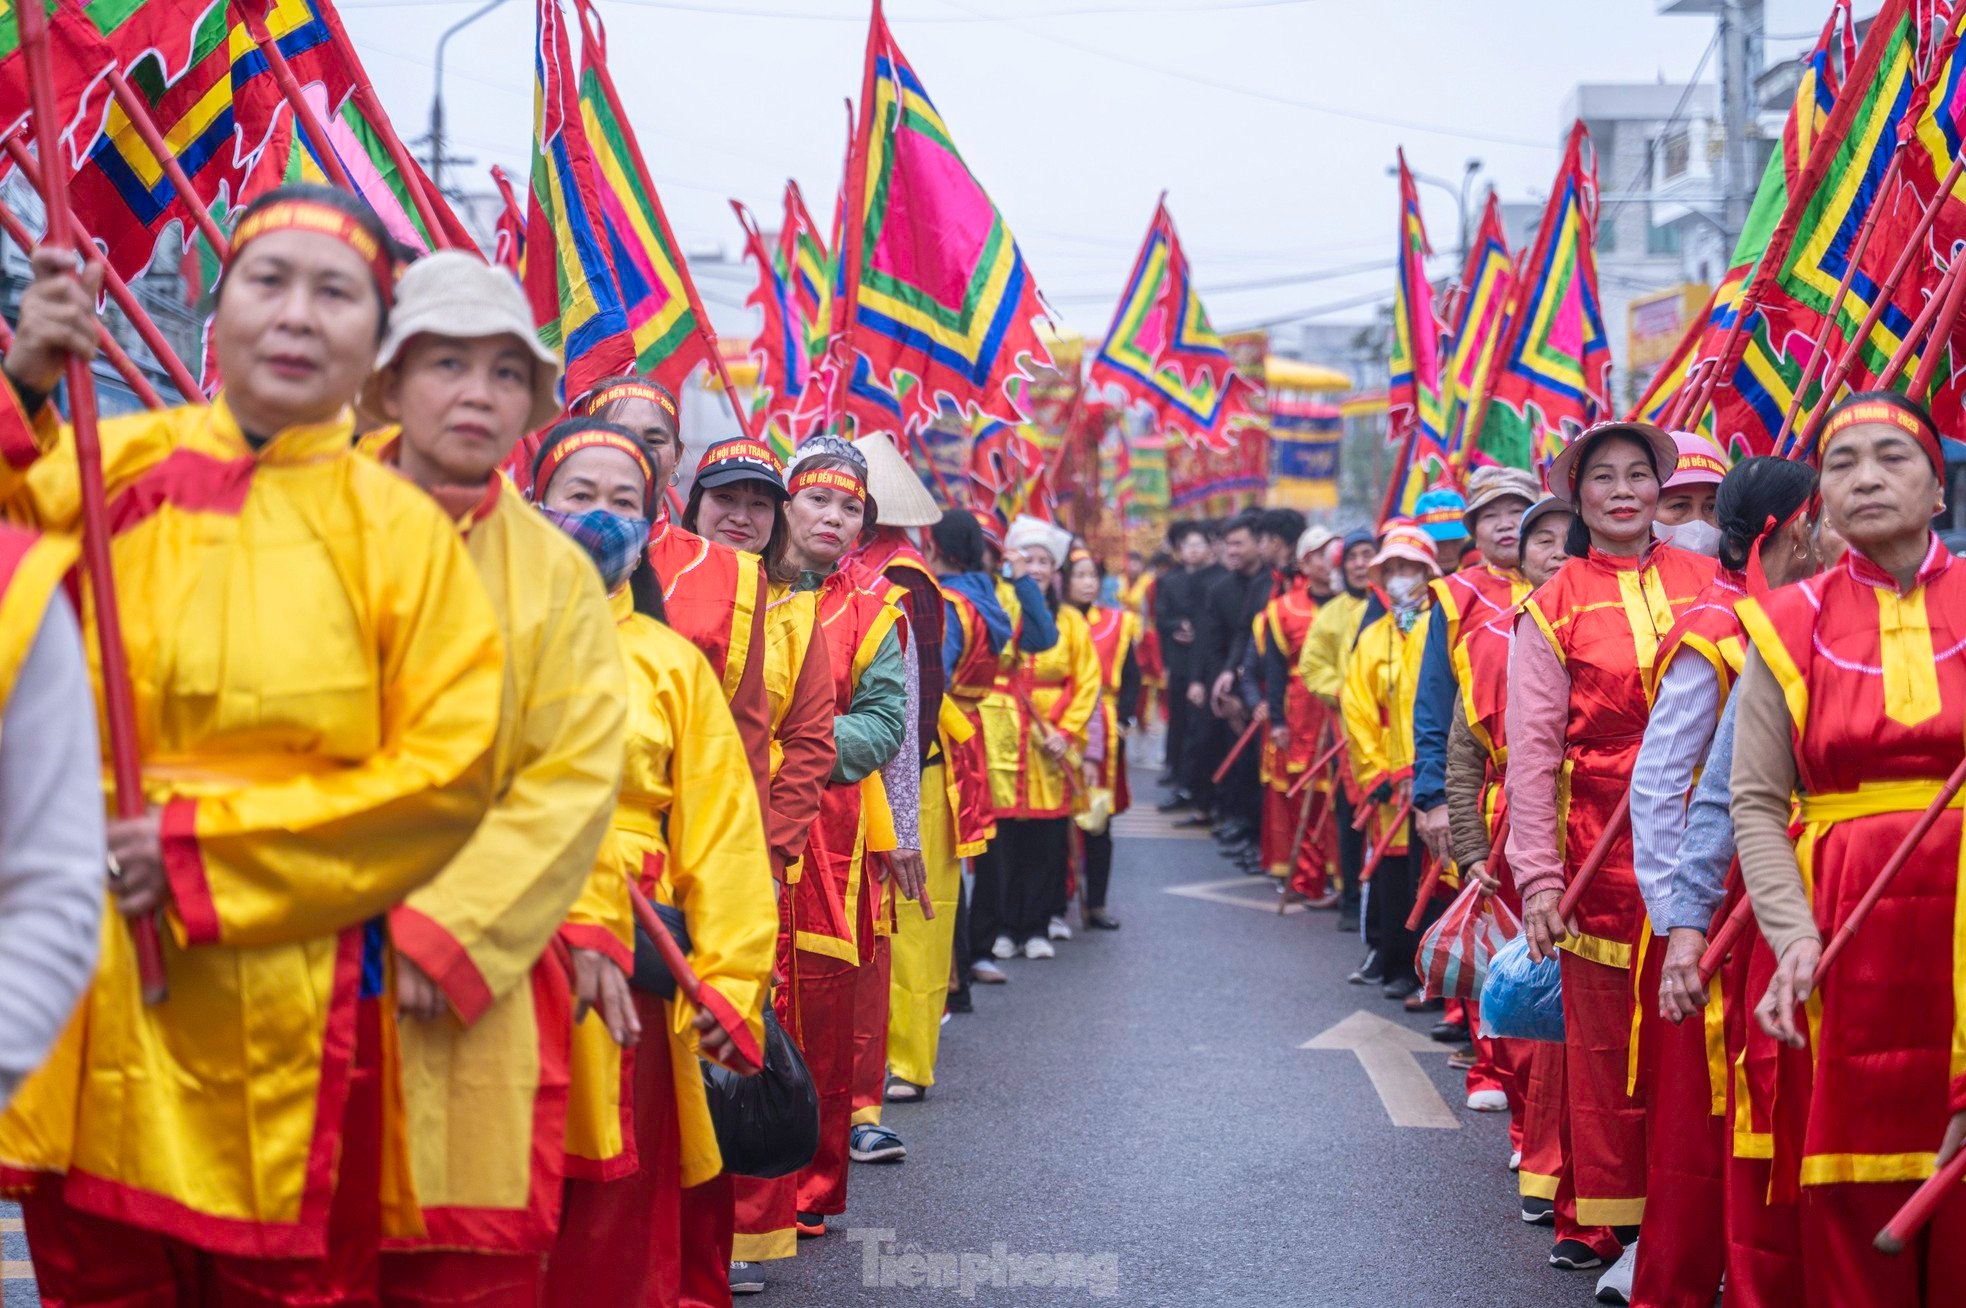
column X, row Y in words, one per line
column 1486, row 1074
column 1842, row 1270
column 445, row 1278
column 1683, row 1248
column 82, row 1261
column 1604, row 1127
column 620, row 1241
column 870, row 1007
column 708, row 1225
column 1546, row 1171
column 1764, row 1239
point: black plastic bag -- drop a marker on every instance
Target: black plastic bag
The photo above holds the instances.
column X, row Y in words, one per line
column 767, row 1125
column 651, row 975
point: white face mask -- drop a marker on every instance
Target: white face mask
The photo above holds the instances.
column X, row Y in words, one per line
column 1697, row 535
column 1403, row 587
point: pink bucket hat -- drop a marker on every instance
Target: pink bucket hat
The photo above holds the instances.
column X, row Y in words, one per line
column 1700, row 461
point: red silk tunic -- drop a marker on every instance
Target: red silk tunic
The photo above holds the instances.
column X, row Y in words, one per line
column 1113, row 631
column 1876, row 687
column 1712, row 630
column 1283, row 624
column 1483, row 656
column 1605, row 617
column 973, row 677
column 1474, row 595
column 714, row 597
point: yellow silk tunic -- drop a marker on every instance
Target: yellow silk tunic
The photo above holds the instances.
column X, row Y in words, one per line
column 316, row 673
column 1382, row 679
column 485, row 1086
column 1063, row 686
column 687, row 775
column 1328, row 646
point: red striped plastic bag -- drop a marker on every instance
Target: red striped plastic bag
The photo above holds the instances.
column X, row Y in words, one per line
column 1452, row 959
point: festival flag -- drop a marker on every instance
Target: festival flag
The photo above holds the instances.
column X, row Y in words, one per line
column 509, row 240
column 1006, row 471
column 1479, row 320
column 77, row 55
column 1415, row 418
column 1161, row 352
column 566, row 271
column 933, row 294
column 806, row 266
column 670, row 331
column 1679, row 370
column 1552, row 376
column 778, row 351
column 1803, row 259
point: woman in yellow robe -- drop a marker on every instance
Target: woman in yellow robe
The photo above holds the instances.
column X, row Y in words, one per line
column 485, row 1055
column 686, row 832
column 316, row 675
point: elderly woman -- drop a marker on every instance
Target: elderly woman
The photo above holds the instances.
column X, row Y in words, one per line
column 317, row 672
column 1854, row 698
column 1579, row 676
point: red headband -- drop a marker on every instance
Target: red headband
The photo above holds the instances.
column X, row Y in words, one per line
column 587, row 440
column 322, row 220
column 837, row 478
column 738, row 448
column 1880, row 411
column 595, row 401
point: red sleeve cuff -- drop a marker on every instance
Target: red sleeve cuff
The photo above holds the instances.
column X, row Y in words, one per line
column 445, row 961
column 18, row 445
column 585, row 935
column 728, row 1017
column 184, row 869
column 1956, row 1097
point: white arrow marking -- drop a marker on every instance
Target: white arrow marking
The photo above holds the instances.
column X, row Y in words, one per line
column 1235, row 893
column 1386, row 1051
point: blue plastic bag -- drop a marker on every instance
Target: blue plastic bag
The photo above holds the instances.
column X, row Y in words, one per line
column 1522, row 1000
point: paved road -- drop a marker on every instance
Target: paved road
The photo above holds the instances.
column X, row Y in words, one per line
column 1137, row 1117
column 1142, row 1101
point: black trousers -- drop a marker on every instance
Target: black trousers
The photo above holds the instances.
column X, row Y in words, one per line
column 1098, row 869
column 1392, row 900
column 1178, row 723
column 1018, row 880
column 1207, row 742
column 1351, row 854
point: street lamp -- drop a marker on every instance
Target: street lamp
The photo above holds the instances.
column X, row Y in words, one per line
column 437, row 95
column 1460, row 194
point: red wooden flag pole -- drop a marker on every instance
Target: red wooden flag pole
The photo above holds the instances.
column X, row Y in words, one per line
column 1919, row 1209
column 1846, row 363
column 1944, row 294
column 145, row 126
column 119, row 290
column 1941, row 333
column 1235, row 750
column 283, row 77
column 1399, row 820
column 119, row 701
column 1820, row 346
column 1317, row 767
column 1574, row 892
column 1726, row 938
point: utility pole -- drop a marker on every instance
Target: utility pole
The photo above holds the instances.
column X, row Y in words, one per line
column 1741, row 29
column 439, row 156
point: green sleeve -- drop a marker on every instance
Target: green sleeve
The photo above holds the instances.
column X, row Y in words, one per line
column 870, row 731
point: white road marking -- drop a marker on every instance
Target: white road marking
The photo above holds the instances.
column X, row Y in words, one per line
column 1386, row 1050
column 1235, row 892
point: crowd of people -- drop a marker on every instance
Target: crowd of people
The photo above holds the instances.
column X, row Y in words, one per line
column 1658, row 693
column 501, row 810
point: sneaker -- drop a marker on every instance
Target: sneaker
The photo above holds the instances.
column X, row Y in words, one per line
column 1574, row 1256
column 1369, row 972
column 873, row 1143
column 1615, row 1286
column 811, row 1226
column 1038, row 947
column 1488, row 1101
column 1005, row 947
column 1057, row 929
column 747, row 1278
column 1515, row 1161
column 1100, row 920
column 1538, row 1212
column 1448, row 1033
column 959, row 1002
column 988, row 973
column 1400, row 987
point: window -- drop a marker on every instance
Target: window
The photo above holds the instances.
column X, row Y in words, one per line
column 1661, row 240
column 1677, row 150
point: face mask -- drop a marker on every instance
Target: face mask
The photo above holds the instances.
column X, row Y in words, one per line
column 614, row 542
column 1698, row 535
column 1403, row 588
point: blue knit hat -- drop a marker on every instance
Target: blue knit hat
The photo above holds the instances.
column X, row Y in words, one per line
column 1439, row 513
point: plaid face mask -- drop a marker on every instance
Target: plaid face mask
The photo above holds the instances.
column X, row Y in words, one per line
column 614, row 542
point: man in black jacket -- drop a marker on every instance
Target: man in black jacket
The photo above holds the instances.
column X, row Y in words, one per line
column 1231, row 604
column 1177, row 611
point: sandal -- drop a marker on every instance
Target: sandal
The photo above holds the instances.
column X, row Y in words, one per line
column 905, row 1092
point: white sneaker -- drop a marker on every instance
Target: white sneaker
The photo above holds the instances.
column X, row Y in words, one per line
column 1515, row 1159
column 1615, row 1286
column 1488, row 1101
column 1057, row 929
column 1035, row 948
column 1004, row 948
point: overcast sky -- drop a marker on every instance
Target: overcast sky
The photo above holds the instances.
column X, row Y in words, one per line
column 1269, row 122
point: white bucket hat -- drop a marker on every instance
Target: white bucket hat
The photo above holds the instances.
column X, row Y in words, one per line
column 904, row 501
column 1028, row 532
column 452, row 293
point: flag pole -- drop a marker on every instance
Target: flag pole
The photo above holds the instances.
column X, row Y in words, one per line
column 119, row 699
column 852, row 229
column 1936, row 338
column 591, row 32
column 283, row 77
column 145, row 126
